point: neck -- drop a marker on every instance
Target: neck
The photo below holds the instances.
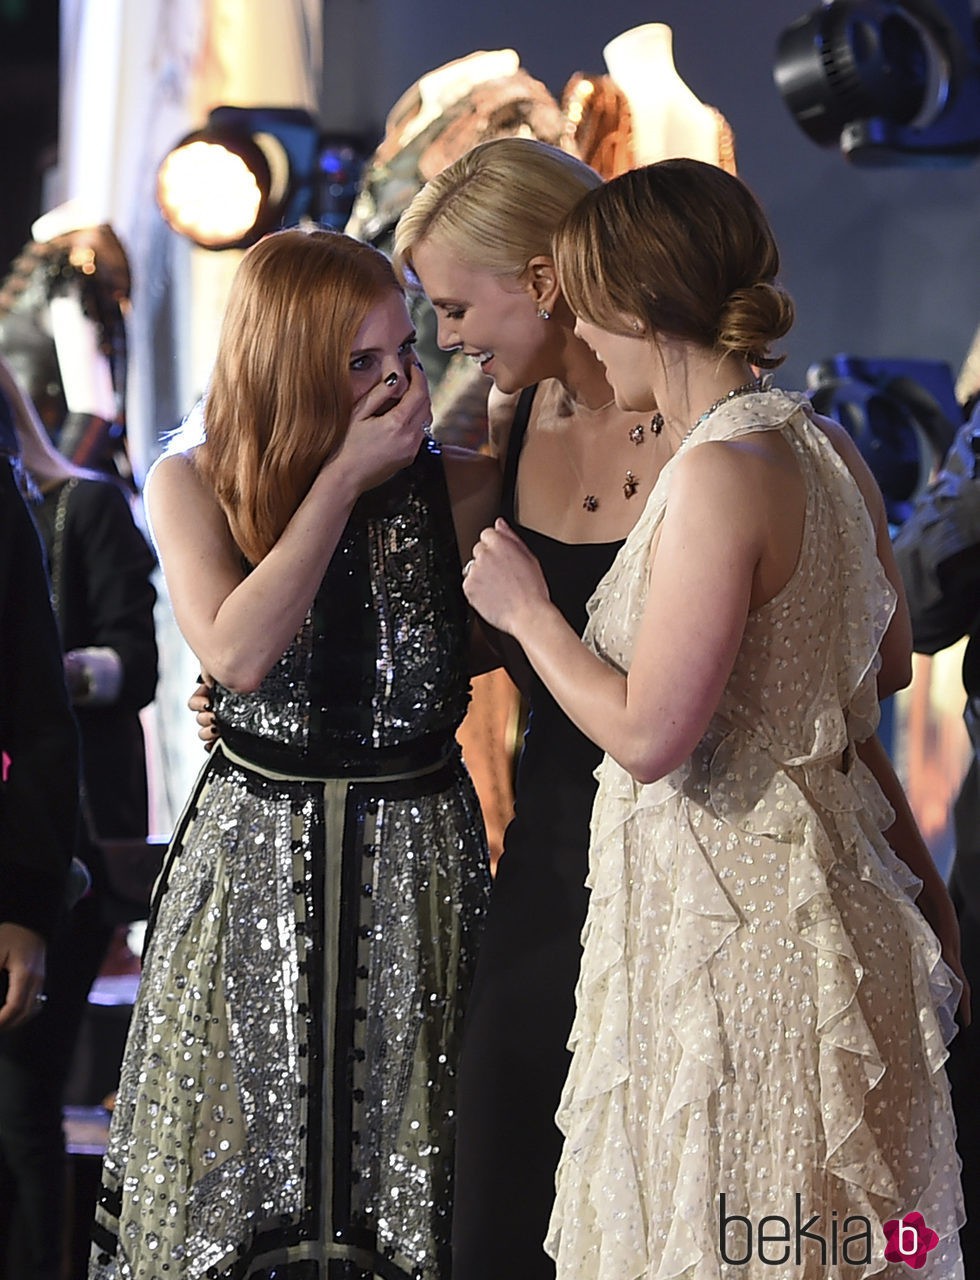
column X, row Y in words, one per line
column 580, row 373
column 696, row 385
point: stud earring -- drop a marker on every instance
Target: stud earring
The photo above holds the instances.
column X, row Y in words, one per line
column 657, row 423
column 544, row 313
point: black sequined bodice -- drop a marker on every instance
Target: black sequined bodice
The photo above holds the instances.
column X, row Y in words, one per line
column 380, row 663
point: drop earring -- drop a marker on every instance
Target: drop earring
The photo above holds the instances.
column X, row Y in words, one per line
column 544, row 313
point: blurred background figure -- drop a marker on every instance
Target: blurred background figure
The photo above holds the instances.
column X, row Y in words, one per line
column 100, row 568
column 63, row 308
column 38, row 816
column 938, row 551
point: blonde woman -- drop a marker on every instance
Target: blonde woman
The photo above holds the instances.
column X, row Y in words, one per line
column 577, row 469
column 287, row 1095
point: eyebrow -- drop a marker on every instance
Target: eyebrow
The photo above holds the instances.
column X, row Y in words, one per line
column 411, row 336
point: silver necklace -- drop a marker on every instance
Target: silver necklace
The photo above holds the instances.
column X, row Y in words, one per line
column 743, row 390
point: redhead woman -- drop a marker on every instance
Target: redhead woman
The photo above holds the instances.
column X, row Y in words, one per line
column 288, row 1090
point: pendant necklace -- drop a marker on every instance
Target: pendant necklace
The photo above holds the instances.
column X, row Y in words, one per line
column 631, row 481
column 637, row 434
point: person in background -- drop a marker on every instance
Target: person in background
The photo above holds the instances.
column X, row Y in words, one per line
column 100, row 567
column 38, row 830
column 938, row 553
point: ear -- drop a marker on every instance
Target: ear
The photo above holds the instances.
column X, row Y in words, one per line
column 540, row 279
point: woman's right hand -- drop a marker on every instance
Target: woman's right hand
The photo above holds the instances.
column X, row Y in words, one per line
column 384, row 433
column 201, row 704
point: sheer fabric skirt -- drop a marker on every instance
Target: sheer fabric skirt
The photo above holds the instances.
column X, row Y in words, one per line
column 287, row 1094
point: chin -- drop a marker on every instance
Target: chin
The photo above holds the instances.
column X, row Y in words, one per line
column 505, row 382
column 634, row 404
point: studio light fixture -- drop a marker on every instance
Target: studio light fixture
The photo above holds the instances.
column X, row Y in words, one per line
column 902, row 414
column 891, row 82
column 249, row 170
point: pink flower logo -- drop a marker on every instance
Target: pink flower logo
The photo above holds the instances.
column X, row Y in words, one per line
column 909, row 1240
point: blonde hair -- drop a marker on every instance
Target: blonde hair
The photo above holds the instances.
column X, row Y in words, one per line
column 497, row 207
column 685, row 248
column 279, row 399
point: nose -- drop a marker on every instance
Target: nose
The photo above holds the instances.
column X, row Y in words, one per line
column 447, row 339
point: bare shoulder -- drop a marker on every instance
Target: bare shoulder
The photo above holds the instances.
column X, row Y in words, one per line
column 727, row 464
column 178, row 499
column 171, row 471
column 720, row 482
column 501, row 407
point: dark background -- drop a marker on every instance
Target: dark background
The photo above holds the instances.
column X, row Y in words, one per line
column 28, row 115
column 883, row 263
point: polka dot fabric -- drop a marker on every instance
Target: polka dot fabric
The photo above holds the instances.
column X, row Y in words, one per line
column 757, row 1084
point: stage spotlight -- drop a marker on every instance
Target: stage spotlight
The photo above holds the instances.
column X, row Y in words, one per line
column 247, row 171
column 891, row 83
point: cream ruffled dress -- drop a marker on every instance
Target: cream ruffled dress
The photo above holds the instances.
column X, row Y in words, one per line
column 762, row 1009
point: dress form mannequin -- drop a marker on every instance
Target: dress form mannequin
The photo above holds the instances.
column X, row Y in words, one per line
column 438, row 90
column 668, row 119
column 444, row 86
column 63, row 330
column 86, row 374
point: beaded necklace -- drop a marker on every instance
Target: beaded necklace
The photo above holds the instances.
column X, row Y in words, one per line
column 743, row 390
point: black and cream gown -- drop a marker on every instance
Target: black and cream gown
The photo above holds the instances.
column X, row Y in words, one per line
column 287, row 1097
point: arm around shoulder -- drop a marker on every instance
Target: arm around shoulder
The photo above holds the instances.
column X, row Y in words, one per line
column 473, row 480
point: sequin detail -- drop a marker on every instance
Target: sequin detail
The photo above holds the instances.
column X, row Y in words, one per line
column 381, row 655
column 287, row 1098
column 762, row 1010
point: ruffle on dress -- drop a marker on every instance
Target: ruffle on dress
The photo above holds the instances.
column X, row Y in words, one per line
column 807, row 793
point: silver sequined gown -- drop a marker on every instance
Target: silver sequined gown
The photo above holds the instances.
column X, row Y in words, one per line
column 286, row 1102
column 762, row 1010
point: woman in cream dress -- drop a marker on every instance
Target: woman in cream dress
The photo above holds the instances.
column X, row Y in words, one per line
column 757, row 1083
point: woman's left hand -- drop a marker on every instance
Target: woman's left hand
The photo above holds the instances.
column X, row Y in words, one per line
column 503, row 582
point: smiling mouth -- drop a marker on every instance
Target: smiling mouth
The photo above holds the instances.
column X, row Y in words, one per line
column 481, row 357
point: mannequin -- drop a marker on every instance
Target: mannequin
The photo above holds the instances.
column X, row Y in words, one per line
column 62, row 329
column 444, row 86
column 667, row 119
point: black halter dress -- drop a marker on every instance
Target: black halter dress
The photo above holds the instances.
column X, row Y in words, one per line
column 514, row 1059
